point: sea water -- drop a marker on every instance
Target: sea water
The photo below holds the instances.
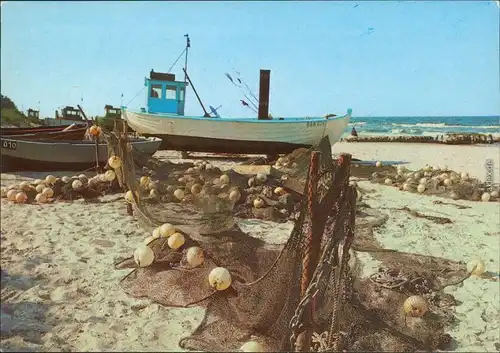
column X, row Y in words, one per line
column 424, row 125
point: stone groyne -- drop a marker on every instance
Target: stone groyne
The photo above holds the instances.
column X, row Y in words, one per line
column 449, row 139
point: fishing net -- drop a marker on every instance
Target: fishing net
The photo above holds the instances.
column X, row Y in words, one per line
column 438, row 181
column 306, row 294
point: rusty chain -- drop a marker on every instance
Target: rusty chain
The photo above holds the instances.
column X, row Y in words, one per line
column 311, row 292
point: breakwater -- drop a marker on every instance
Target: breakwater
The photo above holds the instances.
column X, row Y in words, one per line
column 449, row 139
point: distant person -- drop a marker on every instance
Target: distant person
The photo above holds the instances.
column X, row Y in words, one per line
column 354, row 132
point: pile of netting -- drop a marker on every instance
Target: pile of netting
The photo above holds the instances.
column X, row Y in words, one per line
column 65, row 188
column 306, row 294
column 439, row 181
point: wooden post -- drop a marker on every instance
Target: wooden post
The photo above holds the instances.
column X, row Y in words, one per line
column 97, row 168
column 125, row 129
column 124, row 137
column 96, row 139
column 265, row 78
column 118, row 172
column 311, row 252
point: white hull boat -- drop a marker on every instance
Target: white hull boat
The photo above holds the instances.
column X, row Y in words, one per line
column 245, row 136
column 164, row 117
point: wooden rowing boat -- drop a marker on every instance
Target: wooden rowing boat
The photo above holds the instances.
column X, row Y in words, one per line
column 68, row 135
column 21, row 154
column 34, row 130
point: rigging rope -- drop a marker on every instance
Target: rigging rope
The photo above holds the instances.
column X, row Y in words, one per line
column 175, row 62
column 136, row 95
column 248, row 88
column 255, row 108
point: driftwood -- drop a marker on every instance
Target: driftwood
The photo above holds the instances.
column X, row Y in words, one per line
column 460, row 207
column 435, row 219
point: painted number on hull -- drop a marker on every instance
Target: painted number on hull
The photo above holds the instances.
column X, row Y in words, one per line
column 315, row 123
column 10, row 145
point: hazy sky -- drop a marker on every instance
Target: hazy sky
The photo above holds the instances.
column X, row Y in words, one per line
column 380, row 58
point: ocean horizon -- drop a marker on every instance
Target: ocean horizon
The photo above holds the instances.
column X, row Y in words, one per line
column 424, row 125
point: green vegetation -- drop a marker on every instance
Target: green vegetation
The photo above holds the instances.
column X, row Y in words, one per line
column 11, row 115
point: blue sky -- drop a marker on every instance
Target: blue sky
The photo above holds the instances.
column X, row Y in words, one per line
column 419, row 58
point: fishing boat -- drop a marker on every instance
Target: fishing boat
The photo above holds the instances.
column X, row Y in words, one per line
column 164, row 117
column 20, row 154
column 5, row 131
column 71, row 133
column 111, row 116
column 68, row 115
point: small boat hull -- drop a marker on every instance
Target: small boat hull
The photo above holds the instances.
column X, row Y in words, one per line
column 24, row 155
column 214, row 145
column 69, row 135
column 19, row 164
column 36, row 130
column 241, row 136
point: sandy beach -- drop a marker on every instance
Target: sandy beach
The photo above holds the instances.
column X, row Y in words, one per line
column 60, row 289
column 459, row 158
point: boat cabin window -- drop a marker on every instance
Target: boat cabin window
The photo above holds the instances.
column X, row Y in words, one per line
column 156, row 91
column 171, row 93
column 181, row 95
column 32, row 113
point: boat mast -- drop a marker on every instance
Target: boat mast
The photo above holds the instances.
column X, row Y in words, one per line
column 188, row 45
